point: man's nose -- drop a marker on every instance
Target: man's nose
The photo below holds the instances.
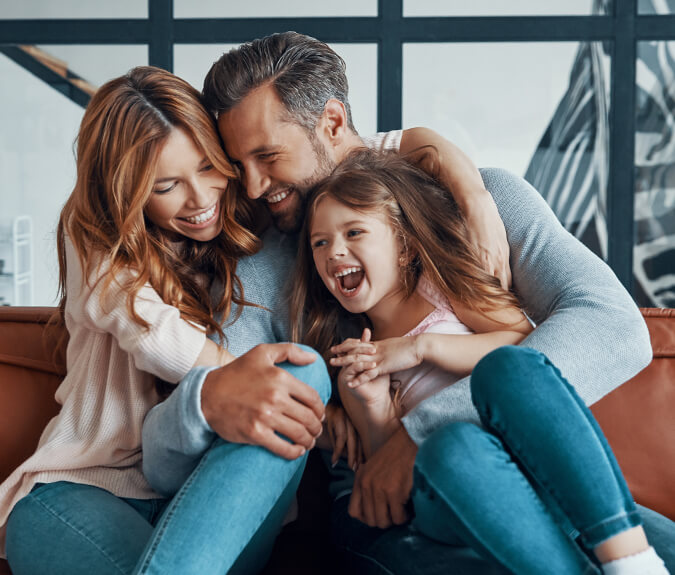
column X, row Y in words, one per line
column 256, row 182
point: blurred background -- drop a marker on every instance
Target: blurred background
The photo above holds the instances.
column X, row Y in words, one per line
column 577, row 96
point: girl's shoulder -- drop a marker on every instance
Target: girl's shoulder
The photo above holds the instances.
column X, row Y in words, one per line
column 443, row 318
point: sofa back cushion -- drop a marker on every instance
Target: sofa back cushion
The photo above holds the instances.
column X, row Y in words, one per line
column 30, row 372
column 637, row 417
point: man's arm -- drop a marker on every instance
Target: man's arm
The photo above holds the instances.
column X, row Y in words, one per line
column 444, row 161
column 587, row 324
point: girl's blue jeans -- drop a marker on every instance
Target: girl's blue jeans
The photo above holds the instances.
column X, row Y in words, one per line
column 535, row 489
column 223, row 520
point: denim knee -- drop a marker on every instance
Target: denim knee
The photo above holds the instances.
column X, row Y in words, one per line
column 314, row 374
column 447, row 454
column 504, row 374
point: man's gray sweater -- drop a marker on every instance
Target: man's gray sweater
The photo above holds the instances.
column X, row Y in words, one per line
column 587, row 324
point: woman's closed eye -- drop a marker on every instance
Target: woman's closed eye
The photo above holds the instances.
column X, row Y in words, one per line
column 161, row 191
column 206, row 168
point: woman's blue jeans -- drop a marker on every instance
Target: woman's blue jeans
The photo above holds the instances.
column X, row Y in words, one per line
column 223, row 520
column 538, row 487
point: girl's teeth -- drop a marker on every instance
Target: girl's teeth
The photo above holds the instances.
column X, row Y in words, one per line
column 347, row 272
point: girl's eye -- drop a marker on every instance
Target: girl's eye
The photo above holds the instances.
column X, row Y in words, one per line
column 165, row 190
column 318, row 244
column 206, row 168
column 352, row 233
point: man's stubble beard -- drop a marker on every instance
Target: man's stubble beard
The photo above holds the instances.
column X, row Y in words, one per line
column 291, row 222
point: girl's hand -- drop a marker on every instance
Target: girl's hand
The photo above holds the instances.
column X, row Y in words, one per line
column 343, row 435
column 363, row 361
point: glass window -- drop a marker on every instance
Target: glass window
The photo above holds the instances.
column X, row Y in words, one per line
column 536, row 109
column 497, row 7
column 654, row 251
column 193, row 61
column 37, row 163
column 73, row 9
column 272, row 8
column 97, row 63
column 656, row 6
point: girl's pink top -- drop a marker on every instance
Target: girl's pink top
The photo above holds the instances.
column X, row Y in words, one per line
column 413, row 385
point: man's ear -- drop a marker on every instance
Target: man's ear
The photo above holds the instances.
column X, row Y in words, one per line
column 333, row 122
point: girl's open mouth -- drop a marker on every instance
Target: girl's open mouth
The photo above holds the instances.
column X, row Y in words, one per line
column 349, row 280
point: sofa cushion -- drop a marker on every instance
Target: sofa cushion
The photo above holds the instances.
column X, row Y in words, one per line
column 638, row 419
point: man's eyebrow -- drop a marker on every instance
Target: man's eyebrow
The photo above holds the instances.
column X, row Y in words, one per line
column 264, row 148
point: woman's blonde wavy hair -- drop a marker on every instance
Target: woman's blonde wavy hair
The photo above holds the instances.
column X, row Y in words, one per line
column 430, row 227
column 123, row 131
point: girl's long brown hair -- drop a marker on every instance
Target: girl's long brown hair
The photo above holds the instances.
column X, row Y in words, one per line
column 429, row 226
column 124, row 128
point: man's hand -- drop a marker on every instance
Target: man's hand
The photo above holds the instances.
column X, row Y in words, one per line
column 383, row 483
column 487, row 233
column 251, row 400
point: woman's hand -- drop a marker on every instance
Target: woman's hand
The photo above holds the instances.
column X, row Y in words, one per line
column 363, row 360
column 343, row 436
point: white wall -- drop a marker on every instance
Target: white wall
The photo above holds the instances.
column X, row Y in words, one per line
column 37, row 166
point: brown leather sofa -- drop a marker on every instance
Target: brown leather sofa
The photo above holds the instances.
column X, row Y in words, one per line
column 638, row 419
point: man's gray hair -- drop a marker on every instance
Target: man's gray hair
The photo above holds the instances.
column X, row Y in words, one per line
column 305, row 73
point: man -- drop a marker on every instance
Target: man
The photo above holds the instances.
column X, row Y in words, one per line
column 282, row 110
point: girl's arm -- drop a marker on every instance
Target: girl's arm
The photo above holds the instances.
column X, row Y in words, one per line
column 460, row 353
column 370, row 410
column 457, row 353
column 455, row 171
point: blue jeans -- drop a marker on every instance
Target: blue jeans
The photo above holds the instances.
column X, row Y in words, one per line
column 507, row 499
column 223, row 520
column 538, row 488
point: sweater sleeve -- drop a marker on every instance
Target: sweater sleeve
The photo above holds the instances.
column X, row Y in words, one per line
column 587, row 323
column 167, row 348
column 176, row 435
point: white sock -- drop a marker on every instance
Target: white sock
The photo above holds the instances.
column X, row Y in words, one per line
column 646, row 562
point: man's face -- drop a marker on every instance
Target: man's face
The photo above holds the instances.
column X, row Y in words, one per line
column 278, row 160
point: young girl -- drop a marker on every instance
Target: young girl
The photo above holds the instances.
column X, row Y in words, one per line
column 383, row 251
column 153, row 222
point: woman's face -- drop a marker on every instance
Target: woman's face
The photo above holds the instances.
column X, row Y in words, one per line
column 186, row 194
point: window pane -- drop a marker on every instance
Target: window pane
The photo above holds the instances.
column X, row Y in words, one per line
column 97, row 63
column 654, row 252
column 656, row 6
column 272, row 8
column 11, row 9
column 536, row 109
column 37, row 162
column 497, row 7
column 192, row 62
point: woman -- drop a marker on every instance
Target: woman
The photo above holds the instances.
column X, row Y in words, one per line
column 152, row 224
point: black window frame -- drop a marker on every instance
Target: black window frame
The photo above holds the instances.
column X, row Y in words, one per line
column 390, row 30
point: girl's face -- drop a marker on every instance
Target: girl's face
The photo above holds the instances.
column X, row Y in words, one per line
column 186, row 194
column 357, row 256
